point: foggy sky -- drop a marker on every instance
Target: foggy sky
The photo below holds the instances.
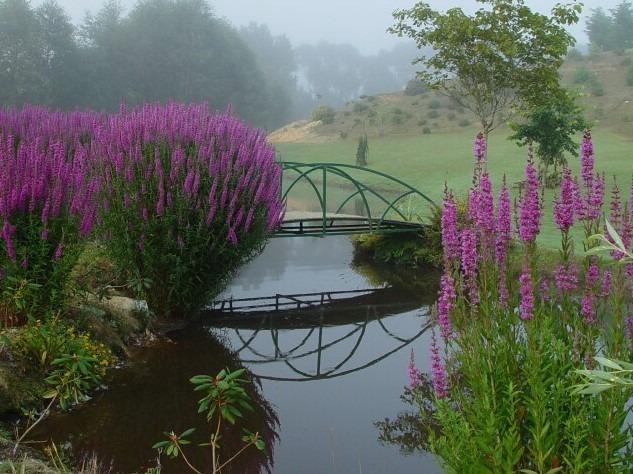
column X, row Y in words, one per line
column 359, row 22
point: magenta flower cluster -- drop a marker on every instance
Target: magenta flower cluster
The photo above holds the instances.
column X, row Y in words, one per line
column 529, row 207
column 45, row 182
column 565, row 206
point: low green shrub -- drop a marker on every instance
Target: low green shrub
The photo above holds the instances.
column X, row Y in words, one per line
column 324, row 113
column 433, row 114
column 583, row 75
column 426, row 131
column 435, row 104
column 464, row 123
column 415, row 87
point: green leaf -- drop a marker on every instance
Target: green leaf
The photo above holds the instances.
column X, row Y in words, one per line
column 608, row 363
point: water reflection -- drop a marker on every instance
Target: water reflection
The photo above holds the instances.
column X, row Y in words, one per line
column 153, row 395
column 340, row 326
column 350, row 356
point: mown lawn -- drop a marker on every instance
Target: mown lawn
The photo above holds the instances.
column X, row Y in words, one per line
column 428, row 161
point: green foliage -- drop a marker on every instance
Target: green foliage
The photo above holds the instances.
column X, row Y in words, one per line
column 72, row 378
column 324, row 113
column 40, row 343
column 464, row 123
column 451, row 116
column 583, row 76
column 360, row 107
column 435, row 104
column 362, row 151
column 426, row 131
column 551, row 128
column 596, row 88
column 224, row 401
column 415, row 87
column 433, row 114
column 612, row 32
column 470, row 59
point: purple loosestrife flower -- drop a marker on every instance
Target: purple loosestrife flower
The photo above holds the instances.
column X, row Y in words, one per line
column 587, row 159
column 469, row 263
column 440, row 384
column 413, row 373
column 450, row 239
column 605, row 288
column 595, row 198
column 564, row 206
column 445, row 304
column 529, row 206
column 587, row 310
column 485, row 212
column 480, row 149
column 526, row 293
column 592, row 276
column 566, row 278
column 544, row 290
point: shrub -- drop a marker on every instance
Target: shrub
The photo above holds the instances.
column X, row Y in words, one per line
column 628, row 61
column 435, row 104
column 422, row 122
column 397, row 111
column 40, row 343
column 342, row 134
column 433, row 114
column 415, row 87
column 360, row 107
column 190, row 197
column 46, row 204
column 451, row 116
column 596, row 88
column 582, row 76
column 464, row 123
column 426, row 131
column 324, row 113
column 515, row 334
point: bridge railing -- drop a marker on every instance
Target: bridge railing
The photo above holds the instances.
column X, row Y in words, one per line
column 326, row 198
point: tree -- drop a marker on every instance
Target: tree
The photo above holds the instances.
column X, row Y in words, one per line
column 60, row 56
column 493, row 59
column 551, row 128
column 622, row 18
column 600, row 29
column 21, row 61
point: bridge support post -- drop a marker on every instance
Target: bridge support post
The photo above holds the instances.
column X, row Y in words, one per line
column 324, row 200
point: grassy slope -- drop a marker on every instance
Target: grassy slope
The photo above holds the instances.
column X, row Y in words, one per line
column 428, row 161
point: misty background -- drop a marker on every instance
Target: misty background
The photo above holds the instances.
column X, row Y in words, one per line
column 273, row 61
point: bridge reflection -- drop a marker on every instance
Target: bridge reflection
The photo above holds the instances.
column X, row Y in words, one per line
column 326, row 341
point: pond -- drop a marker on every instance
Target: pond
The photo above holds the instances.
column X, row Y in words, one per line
column 327, row 373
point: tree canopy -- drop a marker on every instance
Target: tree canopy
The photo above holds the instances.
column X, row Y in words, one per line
column 611, row 31
column 503, row 54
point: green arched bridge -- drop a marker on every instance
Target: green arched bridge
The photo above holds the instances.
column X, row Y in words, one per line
column 338, row 199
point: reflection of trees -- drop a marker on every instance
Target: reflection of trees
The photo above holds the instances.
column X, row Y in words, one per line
column 410, row 430
column 425, row 281
column 153, row 394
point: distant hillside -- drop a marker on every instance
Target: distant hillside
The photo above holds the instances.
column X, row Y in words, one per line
column 601, row 79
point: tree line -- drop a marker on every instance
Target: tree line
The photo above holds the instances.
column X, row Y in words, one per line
column 179, row 50
column 612, row 30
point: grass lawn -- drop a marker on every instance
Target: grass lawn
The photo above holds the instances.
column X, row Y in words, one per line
column 428, row 161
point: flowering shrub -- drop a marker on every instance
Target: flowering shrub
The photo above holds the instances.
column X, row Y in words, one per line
column 187, row 197
column 505, row 366
column 46, row 203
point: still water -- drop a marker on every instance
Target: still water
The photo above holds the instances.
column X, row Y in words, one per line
column 326, row 374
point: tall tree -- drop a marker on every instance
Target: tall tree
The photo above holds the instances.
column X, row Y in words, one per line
column 500, row 56
column 600, row 29
column 622, row 19
column 60, row 56
column 21, row 60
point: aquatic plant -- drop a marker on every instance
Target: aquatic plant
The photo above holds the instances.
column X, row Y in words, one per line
column 504, row 377
column 224, row 401
column 187, row 196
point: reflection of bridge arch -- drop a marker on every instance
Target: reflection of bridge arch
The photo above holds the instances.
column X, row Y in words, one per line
column 332, row 187
column 315, row 324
